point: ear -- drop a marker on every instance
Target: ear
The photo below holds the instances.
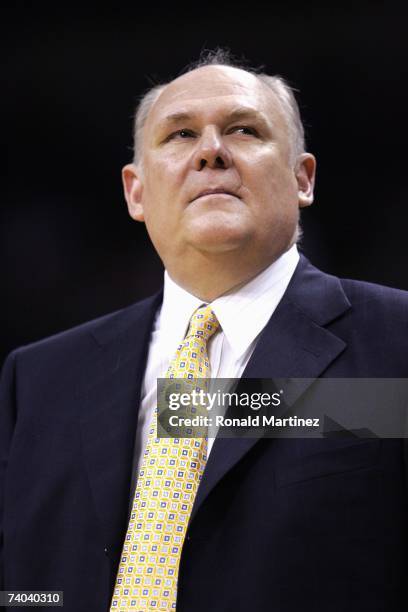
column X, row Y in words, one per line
column 305, row 172
column 133, row 188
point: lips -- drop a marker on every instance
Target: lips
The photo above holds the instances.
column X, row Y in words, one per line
column 214, row 191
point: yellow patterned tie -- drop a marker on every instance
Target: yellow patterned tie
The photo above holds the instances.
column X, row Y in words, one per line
column 166, row 488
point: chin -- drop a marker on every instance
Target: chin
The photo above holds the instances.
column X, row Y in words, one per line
column 218, row 239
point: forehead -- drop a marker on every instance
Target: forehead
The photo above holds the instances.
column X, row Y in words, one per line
column 214, row 89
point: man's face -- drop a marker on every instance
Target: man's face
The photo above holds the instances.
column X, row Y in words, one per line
column 216, row 174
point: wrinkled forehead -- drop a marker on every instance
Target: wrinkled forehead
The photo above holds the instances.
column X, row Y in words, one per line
column 216, row 86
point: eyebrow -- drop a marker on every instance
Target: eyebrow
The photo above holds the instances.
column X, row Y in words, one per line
column 237, row 114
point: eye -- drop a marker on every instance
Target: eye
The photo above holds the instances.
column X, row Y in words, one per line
column 183, row 134
column 246, row 130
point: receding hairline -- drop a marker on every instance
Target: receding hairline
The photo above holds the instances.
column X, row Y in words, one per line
column 165, row 87
column 209, row 67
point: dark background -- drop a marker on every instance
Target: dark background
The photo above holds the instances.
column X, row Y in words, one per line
column 71, row 77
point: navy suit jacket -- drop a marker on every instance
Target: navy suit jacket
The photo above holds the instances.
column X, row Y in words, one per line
column 278, row 524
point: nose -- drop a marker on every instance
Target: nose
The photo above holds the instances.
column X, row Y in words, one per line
column 211, row 151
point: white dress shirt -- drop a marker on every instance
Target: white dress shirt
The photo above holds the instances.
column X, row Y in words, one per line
column 242, row 315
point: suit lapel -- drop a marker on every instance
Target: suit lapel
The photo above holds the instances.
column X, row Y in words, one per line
column 110, row 396
column 294, row 345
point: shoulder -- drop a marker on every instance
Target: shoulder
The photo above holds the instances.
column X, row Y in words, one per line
column 356, row 310
column 326, row 298
column 74, row 343
column 370, row 319
column 312, row 284
column 386, row 305
column 364, row 292
column 376, row 325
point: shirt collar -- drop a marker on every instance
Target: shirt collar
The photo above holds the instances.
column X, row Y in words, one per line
column 174, row 317
column 242, row 313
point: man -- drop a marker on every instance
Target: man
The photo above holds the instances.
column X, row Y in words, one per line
column 219, row 176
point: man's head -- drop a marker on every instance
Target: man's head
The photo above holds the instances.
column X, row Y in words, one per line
column 219, row 175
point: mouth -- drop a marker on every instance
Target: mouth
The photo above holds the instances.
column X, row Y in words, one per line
column 216, row 191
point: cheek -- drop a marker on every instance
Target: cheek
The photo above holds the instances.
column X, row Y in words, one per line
column 282, row 181
column 273, row 192
column 167, row 161
column 162, row 182
column 266, row 168
column 274, row 186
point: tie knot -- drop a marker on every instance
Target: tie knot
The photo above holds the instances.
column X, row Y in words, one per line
column 203, row 323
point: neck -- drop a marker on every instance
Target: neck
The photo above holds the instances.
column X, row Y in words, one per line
column 210, row 278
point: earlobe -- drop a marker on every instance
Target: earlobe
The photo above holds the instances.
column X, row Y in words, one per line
column 133, row 189
column 305, row 176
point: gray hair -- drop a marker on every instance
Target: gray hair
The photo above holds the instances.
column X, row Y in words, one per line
column 222, row 57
